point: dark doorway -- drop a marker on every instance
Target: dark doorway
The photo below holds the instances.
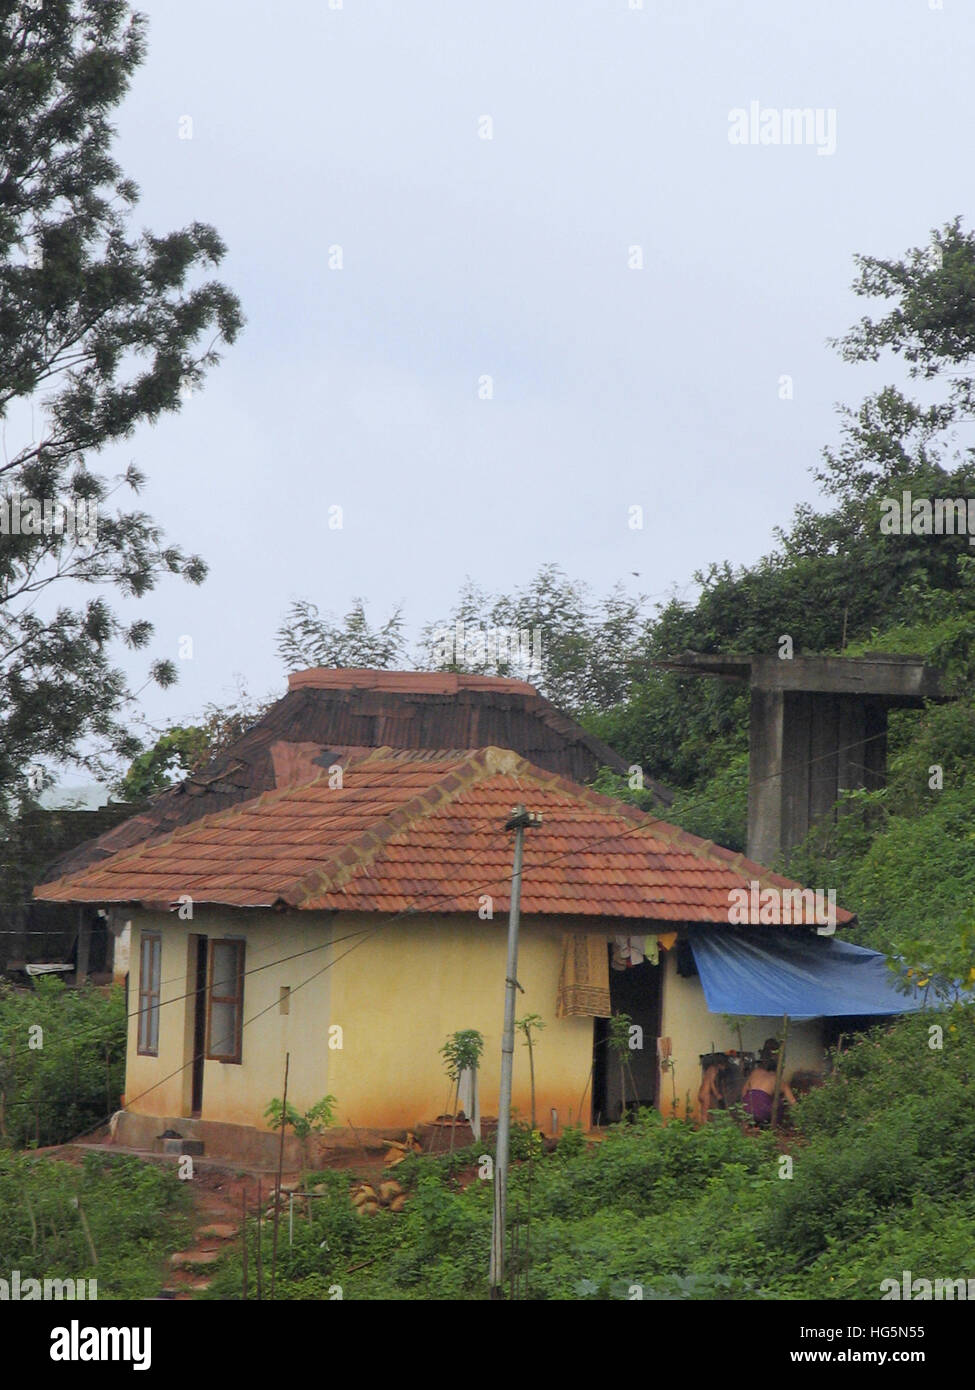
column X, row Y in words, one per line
column 199, row 1026
column 636, row 992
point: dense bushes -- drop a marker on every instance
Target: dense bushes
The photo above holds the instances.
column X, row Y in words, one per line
column 881, row 1181
column 57, row 1219
column 62, row 1060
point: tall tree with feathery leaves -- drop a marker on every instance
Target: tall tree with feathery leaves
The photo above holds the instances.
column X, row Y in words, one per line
column 101, row 330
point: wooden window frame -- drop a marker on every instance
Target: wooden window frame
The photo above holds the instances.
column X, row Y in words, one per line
column 149, row 998
column 237, row 999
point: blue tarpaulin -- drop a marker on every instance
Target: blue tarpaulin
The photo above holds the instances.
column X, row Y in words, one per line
column 768, row 973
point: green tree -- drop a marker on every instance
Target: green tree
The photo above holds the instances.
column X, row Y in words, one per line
column 307, row 638
column 835, row 582
column 187, row 749
column 112, row 329
column 461, row 1052
column 177, row 750
column 590, row 649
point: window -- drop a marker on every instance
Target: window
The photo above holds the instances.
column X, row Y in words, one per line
column 150, row 974
column 225, row 1015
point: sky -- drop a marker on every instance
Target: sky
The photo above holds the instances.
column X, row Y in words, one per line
column 490, row 381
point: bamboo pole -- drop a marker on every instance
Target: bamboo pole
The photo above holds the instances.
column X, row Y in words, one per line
column 277, row 1194
column 585, row 1090
column 453, row 1120
column 243, row 1236
column 260, row 1242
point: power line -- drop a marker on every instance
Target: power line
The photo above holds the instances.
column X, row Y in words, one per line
column 655, row 820
column 367, row 934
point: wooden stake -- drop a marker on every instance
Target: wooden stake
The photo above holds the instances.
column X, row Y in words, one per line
column 453, row 1121
column 277, row 1195
column 243, row 1235
column 260, row 1243
column 585, row 1091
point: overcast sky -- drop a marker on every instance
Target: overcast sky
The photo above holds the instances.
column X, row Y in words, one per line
column 464, row 257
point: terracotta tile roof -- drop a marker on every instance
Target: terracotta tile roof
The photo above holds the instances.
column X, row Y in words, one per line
column 426, row 834
column 330, row 716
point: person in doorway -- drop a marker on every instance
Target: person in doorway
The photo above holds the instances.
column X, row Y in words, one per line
column 759, row 1086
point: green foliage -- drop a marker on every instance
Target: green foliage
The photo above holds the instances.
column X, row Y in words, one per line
column 881, row 1182
column 618, row 1035
column 50, row 1093
column 313, row 1121
column 608, row 782
column 718, row 809
column 152, row 771
column 101, row 331
column 890, row 1134
column 529, row 1026
column 188, row 749
column 462, row 1051
column 307, row 638
column 591, row 649
column 136, row 1214
column 572, row 1142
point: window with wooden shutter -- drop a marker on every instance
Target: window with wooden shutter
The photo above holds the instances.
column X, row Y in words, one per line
column 150, row 979
column 226, row 1001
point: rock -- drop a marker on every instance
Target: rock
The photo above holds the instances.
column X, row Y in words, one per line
column 189, row 1259
column 220, row 1230
column 389, row 1190
column 398, row 1203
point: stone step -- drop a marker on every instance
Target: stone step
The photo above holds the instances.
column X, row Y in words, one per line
column 189, row 1259
column 219, row 1230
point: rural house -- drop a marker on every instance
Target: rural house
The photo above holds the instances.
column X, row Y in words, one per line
column 347, row 904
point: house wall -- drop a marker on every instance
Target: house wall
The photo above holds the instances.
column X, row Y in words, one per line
column 396, row 996
column 232, row 1093
column 390, row 1071
column 692, row 1029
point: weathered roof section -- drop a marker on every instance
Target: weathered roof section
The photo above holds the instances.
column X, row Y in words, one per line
column 330, row 716
column 407, row 833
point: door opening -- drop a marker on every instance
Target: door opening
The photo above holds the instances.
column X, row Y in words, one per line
column 636, row 993
column 199, row 1026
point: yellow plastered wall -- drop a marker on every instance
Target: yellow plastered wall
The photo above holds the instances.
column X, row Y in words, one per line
column 412, row 984
column 685, row 1019
column 396, row 995
column 232, row 1093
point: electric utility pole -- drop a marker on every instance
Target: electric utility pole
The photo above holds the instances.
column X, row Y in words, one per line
column 518, row 821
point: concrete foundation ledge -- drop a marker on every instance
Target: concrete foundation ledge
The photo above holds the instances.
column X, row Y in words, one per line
column 241, row 1143
column 247, row 1145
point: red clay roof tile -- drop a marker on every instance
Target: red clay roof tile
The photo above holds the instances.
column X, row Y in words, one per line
column 426, row 834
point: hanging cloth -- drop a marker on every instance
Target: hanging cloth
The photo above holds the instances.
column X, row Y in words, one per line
column 584, row 979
